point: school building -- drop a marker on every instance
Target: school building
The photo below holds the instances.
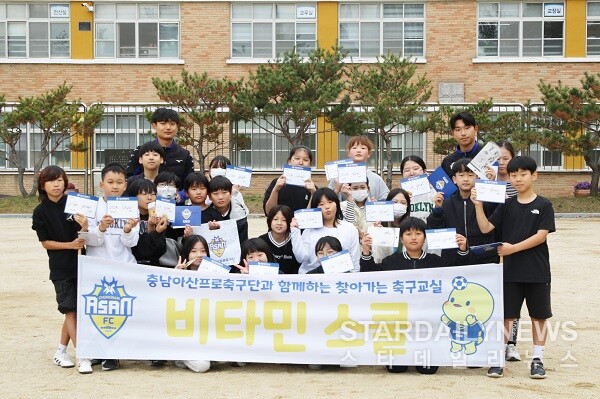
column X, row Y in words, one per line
column 109, row 51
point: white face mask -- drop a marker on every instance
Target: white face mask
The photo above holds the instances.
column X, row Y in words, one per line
column 360, row 195
column 214, row 172
column 166, row 192
column 399, row 210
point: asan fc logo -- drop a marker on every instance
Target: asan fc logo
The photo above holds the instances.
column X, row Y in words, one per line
column 217, row 246
column 440, row 184
column 108, row 306
column 186, row 213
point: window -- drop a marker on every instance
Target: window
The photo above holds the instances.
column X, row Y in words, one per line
column 265, row 150
column 128, row 30
column 520, row 29
column 372, row 29
column 265, row 30
column 546, row 159
column 593, row 28
column 120, row 130
column 40, row 30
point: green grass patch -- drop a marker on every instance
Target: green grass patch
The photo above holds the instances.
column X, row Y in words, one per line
column 254, row 202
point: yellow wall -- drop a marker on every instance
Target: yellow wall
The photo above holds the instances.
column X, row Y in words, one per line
column 327, row 24
column 82, row 43
column 575, row 28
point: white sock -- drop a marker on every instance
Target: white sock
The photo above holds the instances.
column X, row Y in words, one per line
column 538, row 352
column 62, row 348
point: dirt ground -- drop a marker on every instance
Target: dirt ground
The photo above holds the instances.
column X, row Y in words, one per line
column 30, row 327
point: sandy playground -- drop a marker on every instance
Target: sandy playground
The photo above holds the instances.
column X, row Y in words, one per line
column 30, row 325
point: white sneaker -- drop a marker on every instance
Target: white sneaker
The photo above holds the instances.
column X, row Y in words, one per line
column 512, row 354
column 198, row 366
column 85, row 366
column 62, row 359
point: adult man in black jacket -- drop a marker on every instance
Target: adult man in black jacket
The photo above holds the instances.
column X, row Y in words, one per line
column 464, row 128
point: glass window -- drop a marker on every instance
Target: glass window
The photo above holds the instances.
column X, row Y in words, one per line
column 519, row 29
column 268, row 30
column 146, row 30
column 371, row 30
column 593, row 28
column 31, row 31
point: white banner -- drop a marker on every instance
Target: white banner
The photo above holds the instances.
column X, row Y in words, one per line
column 447, row 316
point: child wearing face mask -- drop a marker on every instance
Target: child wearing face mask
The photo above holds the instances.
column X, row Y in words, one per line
column 353, row 208
column 401, row 200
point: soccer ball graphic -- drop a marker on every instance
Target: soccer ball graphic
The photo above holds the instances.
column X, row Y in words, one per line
column 459, row 283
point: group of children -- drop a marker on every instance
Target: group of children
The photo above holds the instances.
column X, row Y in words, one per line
column 522, row 224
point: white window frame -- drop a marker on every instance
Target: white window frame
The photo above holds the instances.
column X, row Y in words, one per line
column 592, row 18
column 26, row 22
column 249, row 19
column 381, row 20
column 153, row 51
column 520, row 19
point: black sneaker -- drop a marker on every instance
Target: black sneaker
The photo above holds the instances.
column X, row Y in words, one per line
column 396, row 369
column 95, row 362
column 157, row 363
column 495, row 372
column 537, row 369
column 110, row 364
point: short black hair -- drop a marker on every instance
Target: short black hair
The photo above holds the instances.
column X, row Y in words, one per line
column 412, row 223
column 253, row 245
column 219, row 183
column 332, row 241
column 112, row 167
column 287, row 213
column 165, row 115
column 167, row 177
column 522, row 162
column 195, row 179
column 330, row 195
column 415, row 158
column 220, row 161
column 466, row 117
column 152, row 146
column 140, row 186
column 462, row 165
column 50, row 173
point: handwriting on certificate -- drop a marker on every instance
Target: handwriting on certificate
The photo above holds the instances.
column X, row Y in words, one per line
column 352, row 173
column 340, row 262
column 296, row 175
column 485, row 158
column 238, row 175
column 165, row 207
column 81, row 203
column 382, row 211
column 209, row 265
column 263, row 268
column 416, row 185
column 122, row 207
column 331, row 168
column 383, row 236
column 311, row 218
column 441, row 238
column 491, row 191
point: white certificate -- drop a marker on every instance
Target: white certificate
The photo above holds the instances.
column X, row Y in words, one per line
column 311, row 218
column 491, row 191
column 382, row 211
column 337, row 263
column 416, row 185
column 164, row 207
column 238, row 175
column 331, row 168
column 81, row 203
column 262, row 268
column 352, row 173
column 489, row 154
column 383, row 236
column 90, row 238
column 441, row 238
column 296, row 175
column 122, row 207
column 209, row 265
